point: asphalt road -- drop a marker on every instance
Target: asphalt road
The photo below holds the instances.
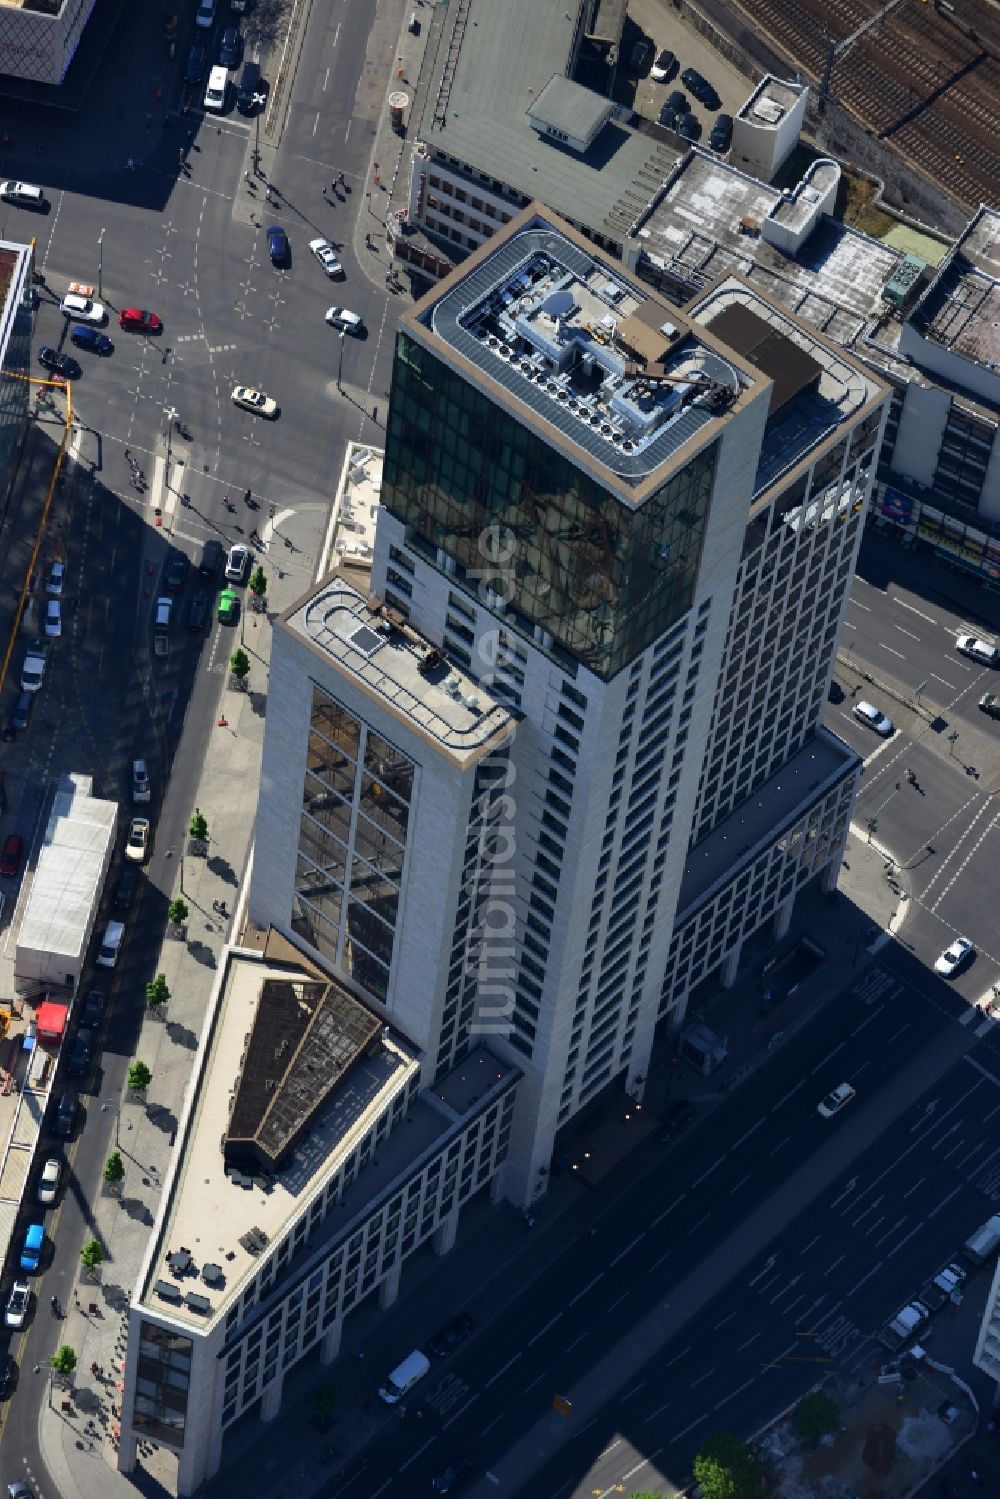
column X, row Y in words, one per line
column 784, row 1249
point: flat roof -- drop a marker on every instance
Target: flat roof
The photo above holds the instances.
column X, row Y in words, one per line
column 771, row 101
column 492, row 61
column 389, row 660
column 594, row 360
column 738, row 839
column 569, row 107
column 227, row 1219
column 69, row 871
column 960, row 310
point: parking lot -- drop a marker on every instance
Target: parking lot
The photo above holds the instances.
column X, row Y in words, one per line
column 665, row 27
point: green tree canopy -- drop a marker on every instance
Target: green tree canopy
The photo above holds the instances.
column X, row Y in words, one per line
column 258, row 583
column 64, row 1362
column 139, row 1077
column 725, row 1469
column 92, row 1254
column 198, row 828
column 114, row 1169
column 239, row 665
column 815, row 1415
column 157, row 992
column 177, row 912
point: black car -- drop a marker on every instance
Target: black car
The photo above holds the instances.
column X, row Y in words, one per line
column 700, row 87
column 678, row 102
column 198, row 611
column 448, row 1337
column 22, row 711
column 676, row 1117
column 175, row 572
column 8, row 1369
column 230, row 47
column 128, row 884
column 65, row 1117
column 722, row 133
column 58, row 364
column 689, row 126
column 448, row 1481
column 197, row 60
column 92, row 1009
column 669, row 117
column 81, row 1052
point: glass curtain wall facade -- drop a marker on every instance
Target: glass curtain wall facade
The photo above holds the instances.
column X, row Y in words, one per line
column 352, row 843
column 603, row 578
column 15, row 362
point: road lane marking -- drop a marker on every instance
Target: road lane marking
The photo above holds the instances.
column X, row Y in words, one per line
column 414, row 1455
column 942, row 679
column 905, row 1239
column 748, row 1133
column 806, row 1247
column 677, row 1357
column 633, row 1391
column 543, row 1330
column 889, row 648
column 749, row 1340
column 571, row 1346
column 627, row 1250
column 908, row 633
column 865, row 607
column 733, row 1394
column 698, row 1224
column 839, row 1260
column 913, row 610
column 660, row 1260
column 823, row 1060
column 724, row 1321
column 864, row 1279
column 493, row 1379
column 667, row 1211
column 859, row 1028
column 791, row 1092
column 658, row 1410
column 701, row 1379
column 705, row 1174
column 916, row 1186
column 940, row 1205
column 461, row 1411
column 537, row 1380
column 780, row 1145
column 621, row 1298
column 495, row 1422
column 678, row 1434
column 587, row 1288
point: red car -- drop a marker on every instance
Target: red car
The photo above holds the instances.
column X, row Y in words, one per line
column 138, row 321
column 10, row 856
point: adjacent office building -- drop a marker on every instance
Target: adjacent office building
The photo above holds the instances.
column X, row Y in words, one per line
column 560, row 753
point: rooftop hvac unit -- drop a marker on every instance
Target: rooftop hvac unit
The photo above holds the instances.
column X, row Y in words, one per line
column 453, row 684
column 471, row 702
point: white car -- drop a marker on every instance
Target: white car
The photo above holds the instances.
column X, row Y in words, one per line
column 978, row 650
column 56, row 579
column 107, row 953
column 84, row 309
column 344, row 320
column 53, row 619
column 48, row 1182
column 953, row 957
column 237, row 562
column 205, row 14
column 17, row 1304
column 664, row 67
column 873, row 718
column 835, row 1101
column 137, row 842
column 254, row 400
column 25, row 193
column 323, row 251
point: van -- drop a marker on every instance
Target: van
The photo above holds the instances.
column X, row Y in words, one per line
column 984, row 1243
column 107, row 953
column 404, row 1377
column 211, row 559
column 215, row 94
column 31, row 1254
column 24, row 194
column 247, row 87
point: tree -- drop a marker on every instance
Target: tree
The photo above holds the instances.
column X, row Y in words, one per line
column 64, row 1362
column 198, row 828
column 725, row 1469
column 114, row 1170
column 177, row 914
column 157, row 992
column 92, row 1255
column 258, row 586
column 239, row 666
column 815, row 1415
column 139, row 1077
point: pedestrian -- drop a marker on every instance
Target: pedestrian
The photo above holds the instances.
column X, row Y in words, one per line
column 128, row 455
column 341, row 180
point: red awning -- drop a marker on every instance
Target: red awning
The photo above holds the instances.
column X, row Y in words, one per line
column 50, row 1023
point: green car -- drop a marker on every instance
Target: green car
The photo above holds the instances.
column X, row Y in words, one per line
column 228, row 605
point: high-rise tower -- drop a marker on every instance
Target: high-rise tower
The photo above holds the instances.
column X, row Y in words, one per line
column 564, row 755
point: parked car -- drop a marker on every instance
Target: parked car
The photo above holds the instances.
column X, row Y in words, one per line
column 90, row 338
column 137, row 843
column 990, row 704
column 111, row 943
column 700, row 87
column 978, row 650
column 449, row 1479
column 63, row 365
column 23, row 194
column 33, row 1247
column 141, row 790
column 197, row 61
column 721, row 137
column 689, row 127
column 664, row 67
column 254, row 400
column 92, row 1008
column 639, row 55
column 323, row 251
column 344, row 320
column 48, row 1183
column 64, row 1120
column 82, row 1050
column 230, row 47
column 84, row 308
column 12, row 852
column 175, row 572
column 251, row 91
column 21, row 713
column 832, row 1104
column 229, row 601
column 128, row 884
column 237, row 562
column 8, row 1369
column 55, row 580
column 53, row 618
column 454, row 1332
column 873, row 718
column 18, row 1304
column 139, row 320
column 205, row 14
column 954, row 957
column 277, row 244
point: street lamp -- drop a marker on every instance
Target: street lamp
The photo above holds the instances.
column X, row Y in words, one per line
column 951, row 743
column 170, row 416
column 117, row 1110
column 100, row 263
column 872, row 827
column 340, row 363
